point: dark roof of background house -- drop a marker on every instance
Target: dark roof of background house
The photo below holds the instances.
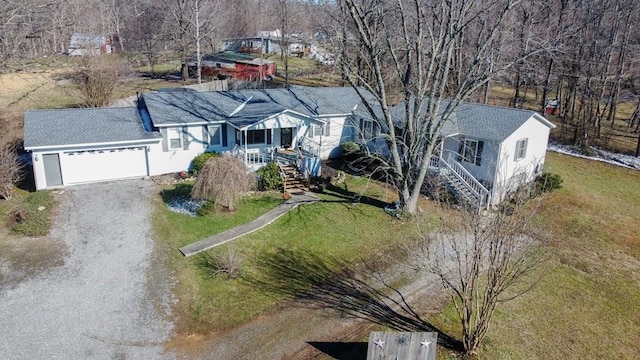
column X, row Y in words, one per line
column 480, row 121
column 188, row 107
column 60, row 127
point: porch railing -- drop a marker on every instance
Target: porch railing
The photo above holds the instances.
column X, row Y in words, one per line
column 254, row 157
column 481, row 192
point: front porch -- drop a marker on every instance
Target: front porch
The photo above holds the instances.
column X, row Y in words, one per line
column 304, row 154
column 460, row 181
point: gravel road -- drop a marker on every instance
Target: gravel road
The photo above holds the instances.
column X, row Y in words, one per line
column 109, row 297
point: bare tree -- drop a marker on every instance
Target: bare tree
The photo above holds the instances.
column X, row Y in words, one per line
column 482, row 261
column 98, row 77
column 10, row 169
column 222, row 180
column 405, row 51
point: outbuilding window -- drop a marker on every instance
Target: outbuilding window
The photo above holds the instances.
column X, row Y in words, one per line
column 521, row 149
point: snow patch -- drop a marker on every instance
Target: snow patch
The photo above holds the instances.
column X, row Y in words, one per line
column 628, row 161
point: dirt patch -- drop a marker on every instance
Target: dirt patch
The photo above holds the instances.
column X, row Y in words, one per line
column 25, row 258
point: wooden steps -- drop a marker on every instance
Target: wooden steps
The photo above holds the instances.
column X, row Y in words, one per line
column 292, row 179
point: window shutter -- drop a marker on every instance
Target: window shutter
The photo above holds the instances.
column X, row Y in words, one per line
column 269, row 137
column 460, row 150
column 224, row 134
column 479, row 153
column 205, row 136
column 185, row 138
column 165, row 145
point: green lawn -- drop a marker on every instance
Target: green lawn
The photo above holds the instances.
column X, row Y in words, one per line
column 586, row 305
column 335, row 228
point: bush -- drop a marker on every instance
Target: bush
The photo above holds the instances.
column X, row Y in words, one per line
column 198, row 162
column 350, row 150
column 222, row 180
column 269, row 177
column 227, row 265
column 547, row 182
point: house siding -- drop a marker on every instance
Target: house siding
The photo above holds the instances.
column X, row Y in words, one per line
column 512, row 173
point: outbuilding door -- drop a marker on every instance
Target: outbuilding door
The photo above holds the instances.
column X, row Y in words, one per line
column 52, row 172
column 103, row 165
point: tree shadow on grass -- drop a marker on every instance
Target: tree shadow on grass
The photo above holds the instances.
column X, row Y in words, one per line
column 353, row 197
column 329, row 283
column 180, row 191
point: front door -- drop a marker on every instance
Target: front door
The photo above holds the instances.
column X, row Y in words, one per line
column 52, row 172
column 286, row 137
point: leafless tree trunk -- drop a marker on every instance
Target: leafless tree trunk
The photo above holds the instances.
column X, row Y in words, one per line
column 10, row 169
column 412, row 49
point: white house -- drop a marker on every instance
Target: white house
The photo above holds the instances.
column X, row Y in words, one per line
column 168, row 129
column 488, row 151
column 485, row 151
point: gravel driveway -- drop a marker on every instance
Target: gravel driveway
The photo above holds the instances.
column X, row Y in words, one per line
column 110, row 296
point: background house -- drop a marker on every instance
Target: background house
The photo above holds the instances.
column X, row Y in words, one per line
column 90, row 44
column 236, row 66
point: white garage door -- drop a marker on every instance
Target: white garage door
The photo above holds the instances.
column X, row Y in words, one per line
column 101, row 165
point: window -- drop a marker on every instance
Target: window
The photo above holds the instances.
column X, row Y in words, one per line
column 174, row 138
column 521, row 149
column 470, row 151
column 215, row 135
column 367, row 129
column 318, row 130
column 256, row 137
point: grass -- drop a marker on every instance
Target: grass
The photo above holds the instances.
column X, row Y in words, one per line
column 323, row 229
column 33, row 222
column 586, row 305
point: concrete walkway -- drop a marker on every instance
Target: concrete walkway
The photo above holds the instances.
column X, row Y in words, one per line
column 257, row 224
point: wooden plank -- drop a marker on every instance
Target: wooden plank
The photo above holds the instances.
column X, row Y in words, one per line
column 388, row 345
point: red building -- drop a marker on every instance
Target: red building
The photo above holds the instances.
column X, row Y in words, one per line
column 237, row 66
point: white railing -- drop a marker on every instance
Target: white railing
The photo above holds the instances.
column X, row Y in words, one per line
column 254, row 158
column 309, row 147
column 481, row 192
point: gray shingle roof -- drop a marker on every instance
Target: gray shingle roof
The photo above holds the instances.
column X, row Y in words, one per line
column 480, row 121
column 63, row 127
column 189, row 107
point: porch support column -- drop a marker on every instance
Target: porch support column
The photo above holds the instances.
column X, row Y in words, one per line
column 245, row 147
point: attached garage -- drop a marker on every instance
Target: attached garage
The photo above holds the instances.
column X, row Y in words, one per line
column 101, row 145
column 105, row 164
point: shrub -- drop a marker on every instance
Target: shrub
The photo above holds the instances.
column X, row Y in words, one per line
column 547, row 182
column 350, row 150
column 227, row 265
column 269, row 177
column 10, row 169
column 222, row 180
column 198, row 162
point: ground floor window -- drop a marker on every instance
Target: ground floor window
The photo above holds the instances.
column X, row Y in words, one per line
column 255, row 137
column 470, row 151
column 174, row 136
